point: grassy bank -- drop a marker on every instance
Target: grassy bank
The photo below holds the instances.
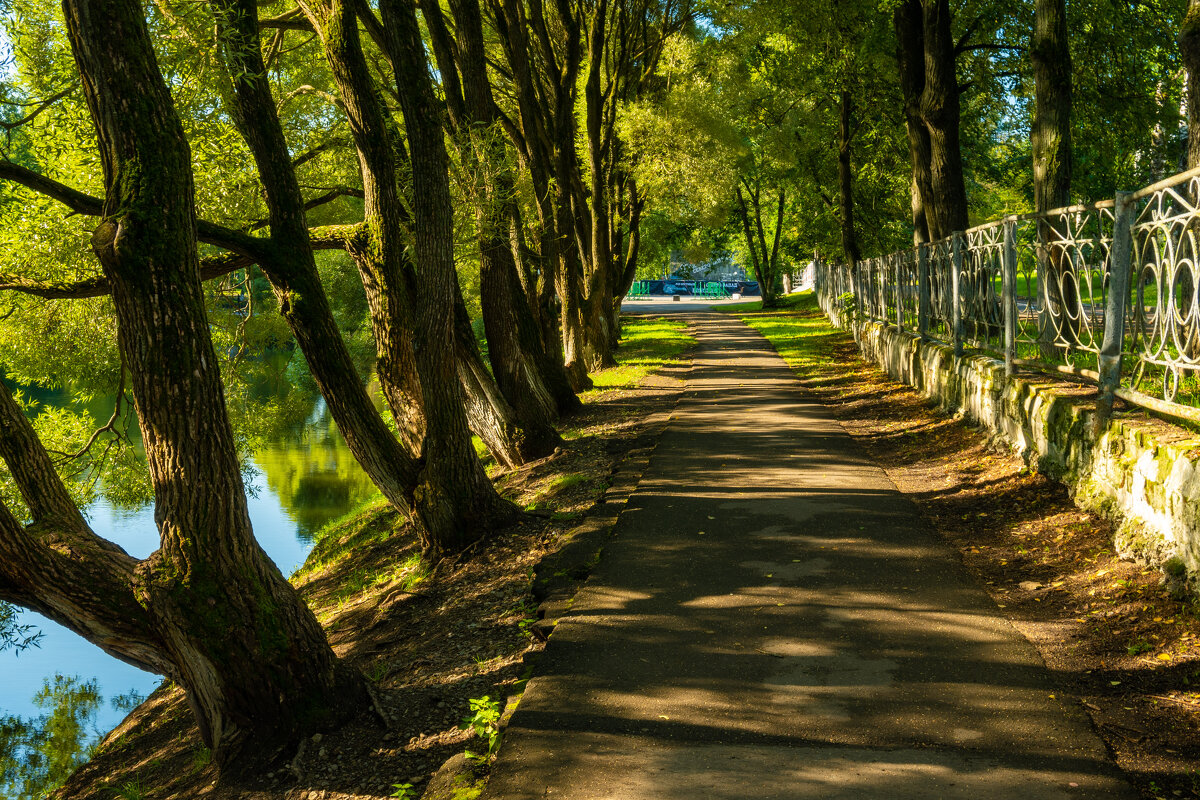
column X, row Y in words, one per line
column 647, row 345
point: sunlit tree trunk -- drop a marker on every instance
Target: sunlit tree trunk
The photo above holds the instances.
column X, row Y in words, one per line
column 910, row 56
column 412, row 301
column 208, row 608
column 292, row 269
column 940, row 113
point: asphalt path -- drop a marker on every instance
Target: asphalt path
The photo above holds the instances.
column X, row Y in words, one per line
column 773, row 619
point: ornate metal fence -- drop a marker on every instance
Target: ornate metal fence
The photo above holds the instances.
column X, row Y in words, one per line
column 1107, row 291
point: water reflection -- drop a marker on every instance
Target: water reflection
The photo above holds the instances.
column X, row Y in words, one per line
column 301, row 478
column 313, row 474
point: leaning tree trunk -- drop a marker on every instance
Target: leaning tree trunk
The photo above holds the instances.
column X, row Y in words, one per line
column 251, row 656
column 940, row 113
column 465, row 498
column 455, row 502
column 292, row 270
column 910, row 56
column 523, row 372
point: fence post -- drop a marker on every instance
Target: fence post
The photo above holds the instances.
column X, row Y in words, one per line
column 923, row 290
column 956, row 246
column 896, row 294
column 1008, row 289
column 1120, row 267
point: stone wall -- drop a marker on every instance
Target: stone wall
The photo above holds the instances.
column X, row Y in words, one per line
column 1140, row 472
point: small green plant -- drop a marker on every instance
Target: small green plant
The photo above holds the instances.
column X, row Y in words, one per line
column 201, row 759
column 485, row 722
column 131, row 790
column 376, row 673
column 404, row 791
column 1140, row 646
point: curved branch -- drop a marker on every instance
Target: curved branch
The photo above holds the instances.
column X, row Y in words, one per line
column 328, row 237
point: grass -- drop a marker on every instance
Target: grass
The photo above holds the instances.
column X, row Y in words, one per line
column 647, row 345
column 796, row 329
column 371, row 523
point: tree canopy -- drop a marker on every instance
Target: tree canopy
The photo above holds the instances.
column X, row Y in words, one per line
column 212, row 212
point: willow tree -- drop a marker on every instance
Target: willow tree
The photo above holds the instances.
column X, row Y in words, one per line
column 208, row 609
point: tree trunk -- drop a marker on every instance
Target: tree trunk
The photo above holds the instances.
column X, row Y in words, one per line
column 846, row 182
column 523, row 371
column 566, row 166
column 455, row 502
column 940, row 112
column 489, row 415
column 293, row 271
column 251, row 656
column 760, row 258
column 1189, row 50
column 455, row 485
column 598, row 335
column 910, row 56
column 1051, row 141
column 1051, row 130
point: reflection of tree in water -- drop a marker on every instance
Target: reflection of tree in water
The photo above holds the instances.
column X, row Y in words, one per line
column 37, row 755
column 313, row 473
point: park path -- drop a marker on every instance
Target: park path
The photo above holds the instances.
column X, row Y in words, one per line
column 773, row 619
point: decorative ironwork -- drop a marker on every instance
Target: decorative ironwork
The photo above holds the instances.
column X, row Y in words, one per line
column 1163, row 314
column 980, row 287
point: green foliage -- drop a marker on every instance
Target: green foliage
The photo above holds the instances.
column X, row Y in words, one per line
column 13, row 635
column 648, row 345
column 404, row 791
column 484, row 722
column 37, row 755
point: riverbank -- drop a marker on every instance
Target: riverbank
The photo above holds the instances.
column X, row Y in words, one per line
column 429, row 639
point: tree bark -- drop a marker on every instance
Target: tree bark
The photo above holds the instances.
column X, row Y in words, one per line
column 1051, row 142
column 599, row 337
column 1189, row 50
column 846, row 181
column 465, row 498
column 1051, row 130
column 412, row 302
column 224, row 622
column 293, row 271
column 524, row 372
column 910, row 57
column 566, row 167
column 940, row 113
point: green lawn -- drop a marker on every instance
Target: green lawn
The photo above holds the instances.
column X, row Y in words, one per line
column 647, row 345
column 797, row 330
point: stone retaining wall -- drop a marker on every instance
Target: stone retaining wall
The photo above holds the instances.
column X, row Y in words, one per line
column 1141, row 472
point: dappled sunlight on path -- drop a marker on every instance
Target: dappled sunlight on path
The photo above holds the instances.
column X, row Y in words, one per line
column 774, row 619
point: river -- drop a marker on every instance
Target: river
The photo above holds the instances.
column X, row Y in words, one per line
column 301, row 481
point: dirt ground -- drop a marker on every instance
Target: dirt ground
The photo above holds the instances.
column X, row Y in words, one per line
column 1107, row 628
column 1111, row 635
column 467, row 630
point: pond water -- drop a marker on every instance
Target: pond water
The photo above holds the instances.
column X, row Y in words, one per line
column 301, row 481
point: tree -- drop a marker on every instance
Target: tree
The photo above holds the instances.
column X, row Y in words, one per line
column 1189, row 49
column 208, row 609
